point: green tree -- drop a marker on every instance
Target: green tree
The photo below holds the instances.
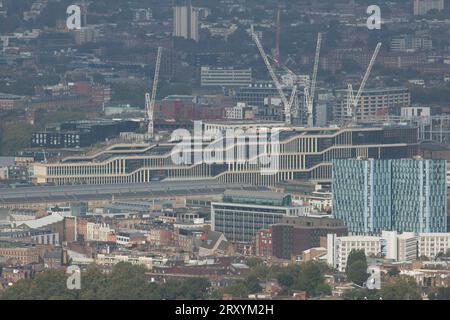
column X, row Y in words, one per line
column 14, row 137
column 237, row 290
column 310, row 278
column 357, row 272
column 404, row 288
column 127, row 282
column 441, row 294
column 356, row 268
column 355, row 255
column 323, row 289
column 393, row 272
column 48, row 285
column 93, row 285
column 361, row 294
column 253, row 285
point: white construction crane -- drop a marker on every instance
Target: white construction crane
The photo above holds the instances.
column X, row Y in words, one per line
column 150, row 100
column 286, row 105
column 310, row 89
column 352, row 101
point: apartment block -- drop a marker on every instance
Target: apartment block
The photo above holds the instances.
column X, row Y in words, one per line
column 405, row 195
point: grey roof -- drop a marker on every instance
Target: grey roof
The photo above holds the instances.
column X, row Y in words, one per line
column 55, row 254
column 42, row 222
column 256, row 194
column 6, row 161
column 211, row 239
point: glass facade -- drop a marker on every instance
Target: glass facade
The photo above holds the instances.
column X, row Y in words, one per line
column 405, row 195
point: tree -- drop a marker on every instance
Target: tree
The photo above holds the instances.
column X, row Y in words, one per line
column 127, row 282
column 357, row 272
column 441, row 294
column 354, row 256
column 196, row 288
column 48, row 285
column 393, row 272
column 356, row 269
column 323, row 289
column 253, row 285
column 404, row 288
column 15, row 136
column 361, row 294
column 237, row 290
column 93, row 284
column 310, row 278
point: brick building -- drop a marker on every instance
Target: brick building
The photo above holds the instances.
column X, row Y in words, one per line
column 295, row 234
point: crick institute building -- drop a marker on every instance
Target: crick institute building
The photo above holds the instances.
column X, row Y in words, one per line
column 295, row 153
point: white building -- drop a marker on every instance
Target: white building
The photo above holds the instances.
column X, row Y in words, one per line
column 98, row 232
column 400, row 247
column 430, row 244
column 339, row 248
column 185, row 22
column 373, row 102
column 239, row 112
column 412, row 112
column 225, row 77
column 407, row 246
column 422, row 7
column 147, row 261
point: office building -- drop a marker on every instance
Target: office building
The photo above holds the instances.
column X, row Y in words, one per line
column 242, row 214
column 391, row 245
column 373, row 103
column 304, row 154
column 405, row 195
column 400, row 247
column 11, row 102
column 431, row 244
column 422, row 7
column 240, row 111
column 293, row 235
column 410, row 43
column 256, row 93
column 79, row 134
column 185, row 19
column 225, row 77
column 339, row 248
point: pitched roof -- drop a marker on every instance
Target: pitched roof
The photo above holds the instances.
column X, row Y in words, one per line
column 42, row 222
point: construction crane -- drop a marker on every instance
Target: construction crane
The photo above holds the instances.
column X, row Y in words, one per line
column 150, row 99
column 352, row 101
column 287, row 109
column 310, row 90
column 310, row 87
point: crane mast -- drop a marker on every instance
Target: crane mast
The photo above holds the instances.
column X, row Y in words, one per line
column 312, row 89
column 150, row 99
column 287, row 109
column 352, row 101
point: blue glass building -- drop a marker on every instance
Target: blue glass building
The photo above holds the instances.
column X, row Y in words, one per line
column 395, row 195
